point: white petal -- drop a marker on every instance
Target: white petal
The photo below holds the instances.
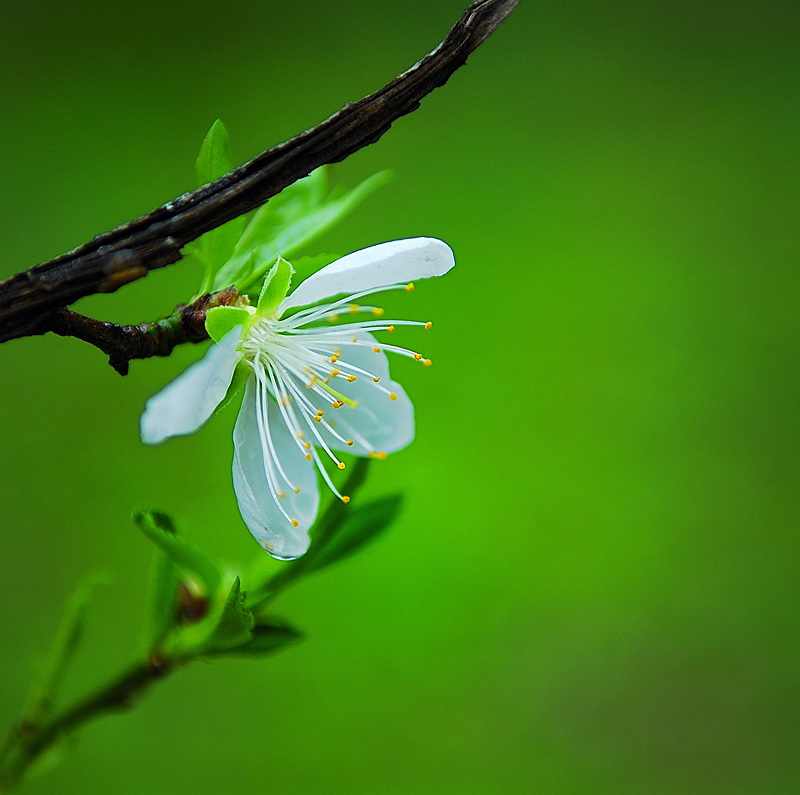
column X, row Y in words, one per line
column 378, row 423
column 186, row 403
column 257, row 501
column 378, row 266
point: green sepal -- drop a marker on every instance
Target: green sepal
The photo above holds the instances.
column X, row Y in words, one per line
column 234, row 626
column 276, row 285
column 360, row 528
column 181, row 552
column 287, row 222
column 267, row 636
column 221, row 320
column 240, row 376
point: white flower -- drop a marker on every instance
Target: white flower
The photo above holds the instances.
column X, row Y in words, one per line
column 317, row 384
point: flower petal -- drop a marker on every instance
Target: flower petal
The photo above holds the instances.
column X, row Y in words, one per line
column 269, row 522
column 374, row 267
column 378, row 424
column 186, row 403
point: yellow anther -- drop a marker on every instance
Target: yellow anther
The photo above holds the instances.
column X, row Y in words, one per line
column 317, row 418
column 427, row 362
column 338, row 404
column 335, row 372
column 418, row 356
column 333, row 319
column 349, row 442
column 307, row 445
column 382, row 456
column 352, row 378
column 377, row 350
column 295, row 523
column 373, row 454
column 378, row 311
column 376, row 378
column 320, row 412
column 340, row 465
column 409, row 287
column 308, row 456
column 345, row 499
column 281, row 494
column 354, row 309
column 428, row 325
column 390, row 328
column 297, row 489
column 335, row 358
column 355, row 339
column 300, row 434
column 326, row 380
column 393, row 396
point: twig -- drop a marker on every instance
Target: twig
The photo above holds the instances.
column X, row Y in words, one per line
column 113, row 259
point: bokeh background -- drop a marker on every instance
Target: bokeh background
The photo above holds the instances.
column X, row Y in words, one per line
column 593, row 587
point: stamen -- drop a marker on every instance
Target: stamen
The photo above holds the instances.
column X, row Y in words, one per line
column 428, row 325
column 345, row 499
column 410, row 287
column 427, row 362
column 392, row 396
column 390, row 328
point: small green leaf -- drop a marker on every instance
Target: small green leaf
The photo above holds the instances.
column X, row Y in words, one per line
column 364, row 525
column 181, row 552
column 214, row 159
column 267, row 636
column 46, row 685
column 276, row 285
column 286, row 223
column 235, row 624
column 214, row 248
column 165, row 580
column 220, row 320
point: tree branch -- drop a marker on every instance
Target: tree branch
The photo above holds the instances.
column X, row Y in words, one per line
column 113, row 259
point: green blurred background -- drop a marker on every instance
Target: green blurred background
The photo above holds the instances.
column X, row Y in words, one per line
column 593, row 586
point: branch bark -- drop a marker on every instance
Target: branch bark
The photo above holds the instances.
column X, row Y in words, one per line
column 29, row 300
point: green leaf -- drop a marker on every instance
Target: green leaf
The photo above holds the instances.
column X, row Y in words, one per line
column 220, row 320
column 286, row 223
column 214, row 159
column 181, row 552
column 364, row 525
column 276, row 285
column 165, row 581
column 46, row 685
column 235, row 624
column 214, row 248
column 267, row 636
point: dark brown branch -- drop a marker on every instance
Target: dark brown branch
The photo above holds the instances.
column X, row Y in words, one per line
column 157, row 338
column 155, row 240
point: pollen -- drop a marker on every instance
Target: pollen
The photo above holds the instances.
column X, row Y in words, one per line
column 335, row 372
column 345, row 499
column 341, row 465
column 427, row 362
column 390, row 328
column 418, row 356
column 308, row 456
column 392, row 396
column 335, row 358
column 351, row 378
column 428, row 325
column 410, row 287
column 376, row 350
column 317, row 418
column 349, row 442
column 338, row 404
column 297, row 489
column 295, row 523
column 307, row 445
